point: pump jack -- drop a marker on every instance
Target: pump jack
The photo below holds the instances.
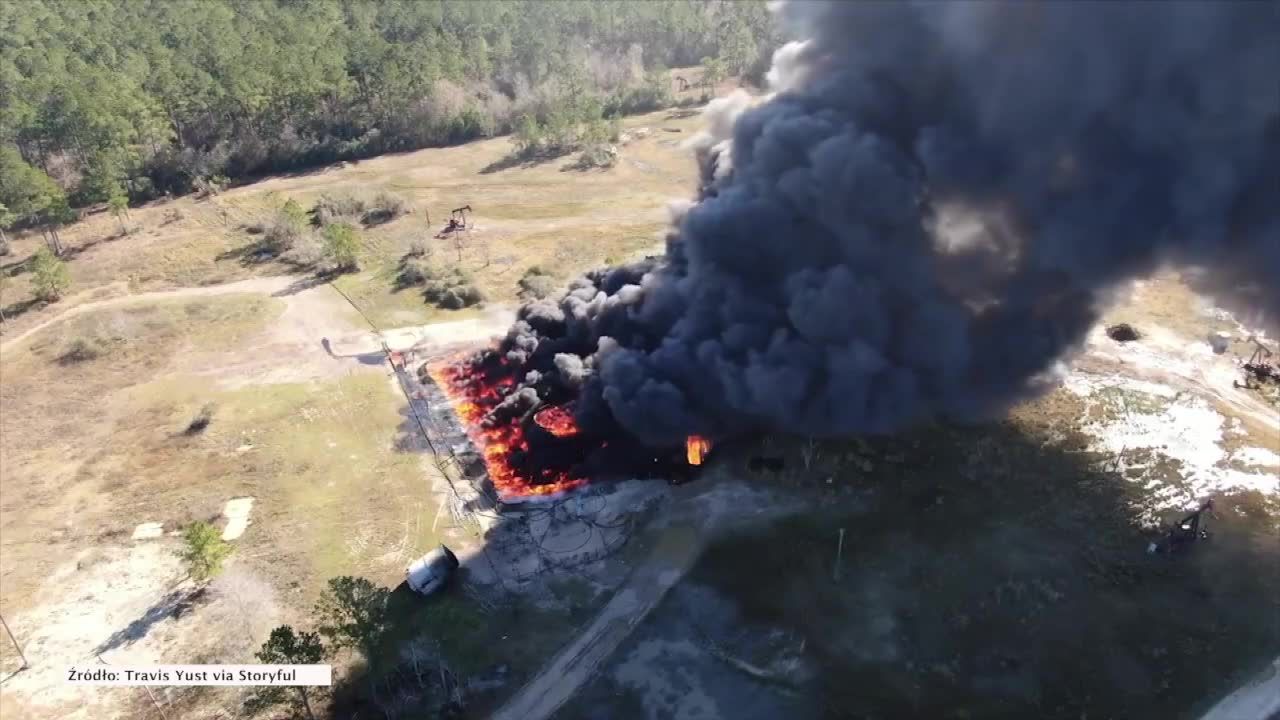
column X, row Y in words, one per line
column 458, row 221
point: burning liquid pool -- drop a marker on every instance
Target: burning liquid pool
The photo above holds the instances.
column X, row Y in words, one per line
column 472, row 395
column 557, row 420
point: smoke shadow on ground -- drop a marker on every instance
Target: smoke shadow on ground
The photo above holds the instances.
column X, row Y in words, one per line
column 991, row 571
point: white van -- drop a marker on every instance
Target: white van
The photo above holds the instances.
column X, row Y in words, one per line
column 430, row 572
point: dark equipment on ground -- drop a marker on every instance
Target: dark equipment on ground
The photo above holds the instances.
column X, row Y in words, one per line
column 1123, row 332
column 458, row 221
column 1185, row 533
column 1257, row 368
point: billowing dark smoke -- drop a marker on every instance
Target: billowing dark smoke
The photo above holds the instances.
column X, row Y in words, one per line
column 928, row 212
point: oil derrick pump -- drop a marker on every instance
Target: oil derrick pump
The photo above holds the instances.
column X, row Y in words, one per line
column 459, row 221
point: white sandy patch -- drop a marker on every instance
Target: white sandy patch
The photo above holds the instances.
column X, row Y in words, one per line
column 1259, row 457
column 79, row 609
column 1177, row 425
column 148, row 531
column 1188, row 364
column 236, row 511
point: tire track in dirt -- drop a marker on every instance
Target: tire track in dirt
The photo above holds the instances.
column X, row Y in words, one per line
column 263, row 285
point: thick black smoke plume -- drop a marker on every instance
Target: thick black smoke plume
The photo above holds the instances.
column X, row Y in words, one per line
column 928, row 212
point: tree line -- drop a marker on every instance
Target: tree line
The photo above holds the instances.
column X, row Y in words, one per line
column 134, row 99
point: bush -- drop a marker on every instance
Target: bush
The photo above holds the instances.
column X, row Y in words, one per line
column 337, row 208
column 653, row 94
column 435, row 281
column 419, row 248
column 82, row 350
column 281, row 234
column 49, row 277
column 459, row 297
column 413, row 272
column 342, row 247
column 450, row 289
column 597, row 156
column 384, row 208
column 527, row 135
column 294, row 212
column 208, row 186
column 200, row 421
column 307, row 251
column 203, row 551
column 536, row 284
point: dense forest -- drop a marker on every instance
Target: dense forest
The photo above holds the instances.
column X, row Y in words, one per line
column 104, row 100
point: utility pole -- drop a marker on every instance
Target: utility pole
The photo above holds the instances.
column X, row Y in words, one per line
column 150, row 694
column 835, row 575
column 16, row 646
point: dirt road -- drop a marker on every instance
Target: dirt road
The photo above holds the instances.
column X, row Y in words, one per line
column 694, row 522
column 264, row 285
column 676, row 550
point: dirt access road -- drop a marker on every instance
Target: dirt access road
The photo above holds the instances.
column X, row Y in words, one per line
column 678, row 545
column 263, row 285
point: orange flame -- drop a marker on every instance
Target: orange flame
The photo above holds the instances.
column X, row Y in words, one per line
column 473, row 396
column 557, row 420
column 696, row 448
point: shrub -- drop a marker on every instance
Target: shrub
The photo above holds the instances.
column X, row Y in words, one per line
column 342, row 247
column 436, row 282
column 384, row 208
column 337, row 208
column 49, row 276
column 461, row 296
column 597, row 156
column 281, row 234
column 653, row 94
column 413, row 272
column 450, row 289
column 203, row 551
column 307, row 251
column 200, row 421
column 536, row 284
column 208, row 186
column 294, row 212
column 419, row 248
column 82, row 349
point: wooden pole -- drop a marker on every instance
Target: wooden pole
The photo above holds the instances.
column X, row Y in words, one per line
column 155, row 702
column 16, row 646
column 835, row 575
column 150, row 694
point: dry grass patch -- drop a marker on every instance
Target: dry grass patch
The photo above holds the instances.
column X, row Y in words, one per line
column 189, row 242
column 62, row 397
column 334, row 494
